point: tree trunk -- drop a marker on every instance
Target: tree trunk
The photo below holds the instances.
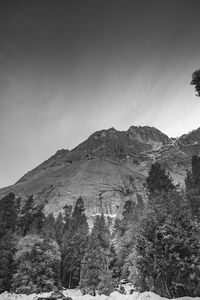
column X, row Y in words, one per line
column 70, row 278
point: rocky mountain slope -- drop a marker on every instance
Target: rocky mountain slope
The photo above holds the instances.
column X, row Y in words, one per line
column 106, row 169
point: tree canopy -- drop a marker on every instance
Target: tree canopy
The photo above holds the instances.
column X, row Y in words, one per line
column 196, row 81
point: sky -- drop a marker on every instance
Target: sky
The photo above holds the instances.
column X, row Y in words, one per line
column 71, row 67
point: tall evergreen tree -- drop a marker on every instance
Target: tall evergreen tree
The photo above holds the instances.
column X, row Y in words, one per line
column 8, row 225
column 78, row 217
column 158, row 180
column 192, row 183
column 101, row 232
column 31, row 219
column 8, row 214
column 107, row 284
column 7, row 250
column 59, row 228
column 48, row 230
column 67, row 219
column 74, row 245
column 97, row 258
column 167, row 255
column 26, row 216
column 125, row 234
column 38, row 219
column 167, row 244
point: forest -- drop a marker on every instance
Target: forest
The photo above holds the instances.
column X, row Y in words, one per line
column 154, row 246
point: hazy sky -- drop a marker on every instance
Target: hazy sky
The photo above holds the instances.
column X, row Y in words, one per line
column 69, row 68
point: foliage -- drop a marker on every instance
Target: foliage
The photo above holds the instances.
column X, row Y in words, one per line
column 92, row 264
column 8, row 214
column 196, row 81
column 78, row 218
column 74, row 249
column 74, row 245
column 192, row 183
column 107, row 283
column 31, row 219
column 97, row 258
column 130, row 271
column 48, row 230
column 125, row 233
column 7, row 249
column 168, row 256
column 158, row 180
column 37, row 265
column 67, row 219
column 8, row 223
column 157, row 247
column 59, row 227
column 168, row 244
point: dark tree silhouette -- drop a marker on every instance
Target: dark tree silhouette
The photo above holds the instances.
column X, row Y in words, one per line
column 192, row 182
column 196, row 81
column 158, row 180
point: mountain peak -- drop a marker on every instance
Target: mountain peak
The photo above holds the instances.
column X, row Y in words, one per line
column 104, row 143
column 148, row 134
column 109, row 162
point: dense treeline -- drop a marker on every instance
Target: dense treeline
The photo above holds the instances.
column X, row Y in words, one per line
column 154, row 246
column 168, row 243
column 39, row 253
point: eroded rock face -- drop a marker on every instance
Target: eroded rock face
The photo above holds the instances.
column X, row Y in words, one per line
column 106, row 170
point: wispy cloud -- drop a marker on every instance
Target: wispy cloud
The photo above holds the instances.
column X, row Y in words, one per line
column 71, row 68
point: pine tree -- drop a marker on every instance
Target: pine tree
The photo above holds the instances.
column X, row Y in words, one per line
column 168, row 256
column 158, row 180
column 92, row 265
column 59, row 228
column 7, row 250
column 8, row 214
column 73, row 252
column 130, row 271
column 79, row 217
column 31, row 219
column 107, row 283
column 101, row 231
column 167, row 244
column 8, row 225
column 192, row 183
column 74, row 245
column 26, row 215
column 97, row 259
column 127, row 228
column 67, row 219
column 25, row 218
column 48, row 230
column 37, row 220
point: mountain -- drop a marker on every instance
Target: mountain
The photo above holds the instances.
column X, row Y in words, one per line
column 106, row 169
